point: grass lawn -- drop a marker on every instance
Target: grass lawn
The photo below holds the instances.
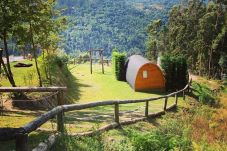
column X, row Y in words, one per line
column 84, row 88
column 22, row 76
column 99, row 87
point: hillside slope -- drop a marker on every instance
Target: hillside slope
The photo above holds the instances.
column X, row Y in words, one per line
column 111, row 23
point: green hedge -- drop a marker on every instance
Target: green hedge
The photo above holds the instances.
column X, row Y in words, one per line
column 118, row 63
column 176, row 72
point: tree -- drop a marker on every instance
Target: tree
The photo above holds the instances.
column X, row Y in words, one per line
column 153, row 42
column 9, row 10
column 198, row 32
column 41, row 27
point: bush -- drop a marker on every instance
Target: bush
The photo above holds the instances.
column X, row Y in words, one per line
column 52, row 66
column 203, row 93
column 174, row 135
column 118, row 61
column 176, row 72
column 70, row 143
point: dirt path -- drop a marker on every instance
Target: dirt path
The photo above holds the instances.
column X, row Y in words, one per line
column 14, row 58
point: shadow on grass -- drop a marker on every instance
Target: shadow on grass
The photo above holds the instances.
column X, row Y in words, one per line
column 88, row 116
column 34, row 139
column 157, row 92
column 21, row 113
column 73, row 86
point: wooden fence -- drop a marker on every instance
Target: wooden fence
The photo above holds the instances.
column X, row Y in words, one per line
column 21, row 134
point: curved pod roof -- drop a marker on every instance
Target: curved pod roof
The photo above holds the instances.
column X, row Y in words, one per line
column 141, row 74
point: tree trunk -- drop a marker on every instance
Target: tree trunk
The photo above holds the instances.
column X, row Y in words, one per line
column 35, row 56
column 10, row 75
column 210, row 63
column 23, row 52
column 0, row 68
column 4, row 67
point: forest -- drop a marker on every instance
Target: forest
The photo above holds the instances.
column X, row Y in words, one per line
column 197, row 31
column 110, row 24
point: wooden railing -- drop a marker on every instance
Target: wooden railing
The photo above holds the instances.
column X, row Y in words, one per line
column 21, row 134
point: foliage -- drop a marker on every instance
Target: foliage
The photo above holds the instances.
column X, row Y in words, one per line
column 69, row 143
column 35, row 28
column 223, row 63
column 114, row 51
column 109, row 23
column 176, row 71
column 51, row 65
column 173, row 135
column 153, row 42
column 196, row 30
column 204, row 94
column 119, row 65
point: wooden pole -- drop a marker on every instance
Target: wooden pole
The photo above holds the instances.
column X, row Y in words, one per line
column 102, row 62
column 1, row 50
column 60, row 116
column 146, row 108
column 189, row 85
column 165, row 104
column 176, row 98
column 21, row 142
column 91, row 61
column 116, row 113
column 183, row 95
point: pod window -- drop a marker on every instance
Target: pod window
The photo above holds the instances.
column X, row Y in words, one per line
column 145, row 74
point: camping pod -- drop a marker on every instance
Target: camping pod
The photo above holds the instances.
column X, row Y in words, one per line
column 142, row 75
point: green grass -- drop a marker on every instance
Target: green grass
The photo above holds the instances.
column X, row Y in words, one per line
column 82, row 88
column 85, row 88
column 99, row 87
column 22, row 76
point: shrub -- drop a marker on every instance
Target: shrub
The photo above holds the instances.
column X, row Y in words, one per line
column 118, row 61
column 174, row 135
column 203, row 93
column 176, row 71
column 70, row 143
column 52, row 66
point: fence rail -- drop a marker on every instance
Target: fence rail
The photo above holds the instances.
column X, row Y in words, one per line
column 32, row 89
column 21, row 134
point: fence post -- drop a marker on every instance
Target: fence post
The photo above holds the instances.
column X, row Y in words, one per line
column 116, row 113
column 146, row 108
column 60, row 116
column 90, row 52
column 165, row 104
column 21, row 142
column 189, row 85
column 176, row 98
column 183, row 95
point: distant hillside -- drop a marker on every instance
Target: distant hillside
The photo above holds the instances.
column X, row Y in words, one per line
column 111, row 23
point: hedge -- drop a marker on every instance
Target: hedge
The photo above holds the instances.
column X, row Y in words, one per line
column 118, row 63
column 176, row 72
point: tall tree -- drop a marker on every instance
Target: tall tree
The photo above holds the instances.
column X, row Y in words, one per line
column 39, row 25
column 198, row 31
column 9, row 13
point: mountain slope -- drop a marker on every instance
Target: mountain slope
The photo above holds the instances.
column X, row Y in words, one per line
column 111, row 23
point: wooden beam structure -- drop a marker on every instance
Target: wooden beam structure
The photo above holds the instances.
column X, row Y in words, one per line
column 101, row 58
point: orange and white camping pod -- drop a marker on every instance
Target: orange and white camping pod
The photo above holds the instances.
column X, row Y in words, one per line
column 141, row 74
